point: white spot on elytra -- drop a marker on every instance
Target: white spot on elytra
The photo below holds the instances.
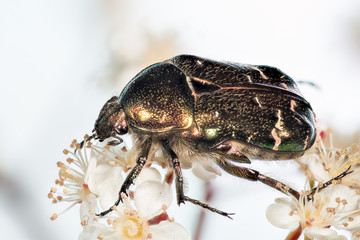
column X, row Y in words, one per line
column 292, row 105
column 257, row 100
column 261, row 73
column 277, row 139
column 249, row 78
column 285, row 86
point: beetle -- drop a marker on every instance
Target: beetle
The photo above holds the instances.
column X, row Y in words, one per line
column 228, row 112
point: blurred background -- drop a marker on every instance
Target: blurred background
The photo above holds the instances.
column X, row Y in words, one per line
column 62, row 59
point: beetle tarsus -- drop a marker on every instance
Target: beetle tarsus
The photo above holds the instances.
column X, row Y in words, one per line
column 206, row 206
column 254, row 175
column 328, row 183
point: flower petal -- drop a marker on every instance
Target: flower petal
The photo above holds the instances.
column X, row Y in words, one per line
column 169, row 230
column 102, row 175
column 342, row 192
column 148, row 174
column 281, row 215
column 316, row 167
column 109, row 194
column 151, row 196
column 322, row 233
column 92, row 231
column 91, row 167
column 88, row 208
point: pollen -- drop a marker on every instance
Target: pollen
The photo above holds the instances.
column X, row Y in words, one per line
column 54, row 216
column 331, row 210
column 65, row 151
column 60, row 164
column 100, row 237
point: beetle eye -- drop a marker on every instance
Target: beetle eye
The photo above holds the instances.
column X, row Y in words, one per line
column 121, row 130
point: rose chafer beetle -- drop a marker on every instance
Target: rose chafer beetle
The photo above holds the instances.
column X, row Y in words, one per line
column 226, row 112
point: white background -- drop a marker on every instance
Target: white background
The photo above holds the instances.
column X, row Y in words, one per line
column 61, row 60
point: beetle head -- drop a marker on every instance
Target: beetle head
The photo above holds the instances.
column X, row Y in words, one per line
column 111, row 121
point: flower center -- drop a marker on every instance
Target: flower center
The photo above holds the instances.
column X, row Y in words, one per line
column 130, row 227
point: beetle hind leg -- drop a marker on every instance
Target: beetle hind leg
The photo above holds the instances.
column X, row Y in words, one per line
column 181, row 198
column 253, row 175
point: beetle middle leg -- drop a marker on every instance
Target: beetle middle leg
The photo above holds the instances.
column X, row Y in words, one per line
column 140, row 163
column 253, row 175
column 181, row 198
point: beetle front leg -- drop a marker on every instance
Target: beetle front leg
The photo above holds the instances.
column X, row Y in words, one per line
column 140, row 163
column 254, row 175
column 181, row 198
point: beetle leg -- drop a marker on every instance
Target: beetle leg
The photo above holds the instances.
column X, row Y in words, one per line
column 115, row 142
column 254, row 175
column 140, row 163
column 231, row 153
column 176, row 165
column 328, row 183
column 181, row 198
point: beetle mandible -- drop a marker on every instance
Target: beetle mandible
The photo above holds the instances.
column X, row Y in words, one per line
column 226, row 111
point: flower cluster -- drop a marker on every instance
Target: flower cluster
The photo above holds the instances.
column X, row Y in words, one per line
column 92, row 177
column 322, row 211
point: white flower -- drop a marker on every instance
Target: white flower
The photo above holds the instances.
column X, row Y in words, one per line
column 115, row 155
column 82, row 180
column 144, row 217
column 327, row 164
column 328, row 207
